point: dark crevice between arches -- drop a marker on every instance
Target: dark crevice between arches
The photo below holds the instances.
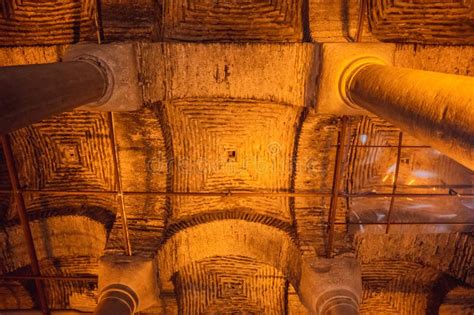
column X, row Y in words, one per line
column 160, row 111
column 440, row 289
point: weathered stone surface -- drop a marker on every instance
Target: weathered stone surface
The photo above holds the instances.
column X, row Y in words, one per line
column 146, row 216
column 446, row 59
column 60, row 22
column 336, row 21
column 226, row 252
column 231, row 284
column 448, row 253
column 459, row 300
column 129, row 20
column 68, row 21
column 119, row 66
column 75, row 140
column 336, row 60
column 427, row 22
column 65, row 245
column 229, row 20
column 402, row 272
column 280, row 73
column 54, row 22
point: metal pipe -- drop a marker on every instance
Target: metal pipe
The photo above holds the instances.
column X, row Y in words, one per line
column 336, row 183
column 437, row 108
column 49, row 278
column 30, row 93
column 406, row 195
column 15, row 184
column 395, row 180
column 401, row 223
column 34, row 312
column 237, row 194
column 123, row 214
column 368, row 146
column 360, row 22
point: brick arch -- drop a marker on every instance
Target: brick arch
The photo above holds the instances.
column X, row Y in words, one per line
column 398, row 287
column 447, row 253
column 15, row 295
column 84, row 237
column 65, row 245
column 224, row 238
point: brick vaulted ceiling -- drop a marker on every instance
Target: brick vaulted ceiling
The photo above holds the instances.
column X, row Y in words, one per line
column 237, row 137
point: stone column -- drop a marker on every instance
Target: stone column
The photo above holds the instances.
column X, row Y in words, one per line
column 30, row 93
column 127, row 284
column 331, row 286
column 117, row 300
column 436, row 108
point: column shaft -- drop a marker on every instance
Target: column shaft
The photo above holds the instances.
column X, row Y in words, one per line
column 31, row 93
column 436, row 108
column 331, row 286
column 115, row 307
column 119, row 300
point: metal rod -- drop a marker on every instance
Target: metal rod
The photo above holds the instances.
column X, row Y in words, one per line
column 441, row 186
column 360, row 22
column 395, row 180
column 400, row 223
column 52, row 278
column 336, row 183
column 240, row 194
column 407, row 195
column 20, row 202
column 96, row 22
column 34, row 311
column 126, row 235
column 384, row 146
column 234, row 194
column 61, row 192
column 327, row 223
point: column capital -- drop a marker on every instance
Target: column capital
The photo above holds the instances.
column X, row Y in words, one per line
column 350, row 72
